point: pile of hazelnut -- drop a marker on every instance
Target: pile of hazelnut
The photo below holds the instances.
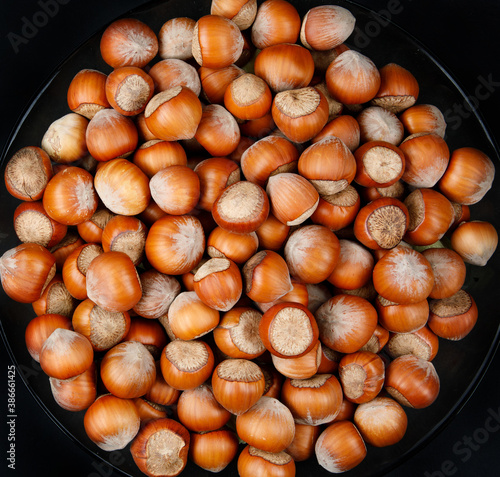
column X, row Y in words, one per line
column 246, row 232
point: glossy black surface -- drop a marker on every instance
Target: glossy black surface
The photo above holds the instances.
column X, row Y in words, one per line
column 459, row 364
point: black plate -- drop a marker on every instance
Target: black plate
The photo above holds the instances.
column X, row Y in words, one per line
column 460, row 365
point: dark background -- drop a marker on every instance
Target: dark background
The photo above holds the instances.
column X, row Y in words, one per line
column 463, row 35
